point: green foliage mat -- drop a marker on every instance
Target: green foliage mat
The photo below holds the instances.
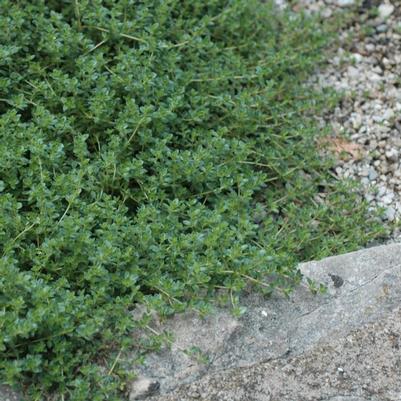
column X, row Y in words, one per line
column 151, row 151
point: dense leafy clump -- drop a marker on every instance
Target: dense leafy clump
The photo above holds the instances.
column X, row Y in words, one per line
column 151, row 151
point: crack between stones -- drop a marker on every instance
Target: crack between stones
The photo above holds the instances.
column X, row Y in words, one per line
column 375, row 278
column 333, row 397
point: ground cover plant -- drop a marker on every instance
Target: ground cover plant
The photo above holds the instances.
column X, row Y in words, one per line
column 151, row 152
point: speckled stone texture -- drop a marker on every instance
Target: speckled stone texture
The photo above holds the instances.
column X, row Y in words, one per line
column 362, row 366
column 7, row 395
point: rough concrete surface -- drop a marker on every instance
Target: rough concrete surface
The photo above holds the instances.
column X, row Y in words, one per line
column 343, row 345
column 364, row 365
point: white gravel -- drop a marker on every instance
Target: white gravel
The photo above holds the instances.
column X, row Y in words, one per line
column 367, row 70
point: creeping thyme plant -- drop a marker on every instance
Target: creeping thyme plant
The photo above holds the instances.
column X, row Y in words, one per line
column 151, row 152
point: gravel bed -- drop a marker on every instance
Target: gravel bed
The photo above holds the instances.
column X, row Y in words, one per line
column 367, row 70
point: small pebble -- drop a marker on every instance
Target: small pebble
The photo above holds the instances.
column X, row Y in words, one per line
column 372, row 174
column 392, row 155
column 385, row 10
column 345, row 3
